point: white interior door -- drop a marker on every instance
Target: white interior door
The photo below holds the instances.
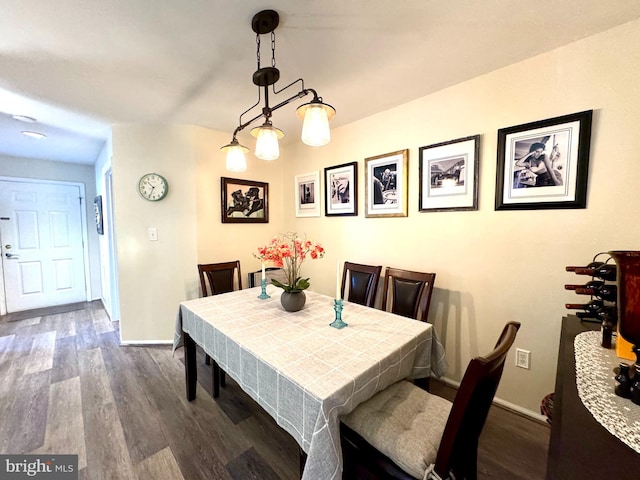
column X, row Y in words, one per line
column 42, row 248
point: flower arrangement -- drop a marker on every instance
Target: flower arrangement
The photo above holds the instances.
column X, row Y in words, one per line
column 287, row 251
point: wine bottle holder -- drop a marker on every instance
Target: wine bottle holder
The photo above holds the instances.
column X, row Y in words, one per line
column 602, row 291
column 615, row 302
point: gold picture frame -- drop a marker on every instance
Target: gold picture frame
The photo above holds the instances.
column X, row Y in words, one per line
column 387, row 184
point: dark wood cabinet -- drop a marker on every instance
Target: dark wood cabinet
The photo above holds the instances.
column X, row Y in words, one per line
column 580, row 448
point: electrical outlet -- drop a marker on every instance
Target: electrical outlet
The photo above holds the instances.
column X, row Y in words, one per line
column 522, row 358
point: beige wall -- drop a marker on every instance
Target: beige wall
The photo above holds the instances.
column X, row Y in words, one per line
column 496, row 266
column 218, row 242
column 491, row 266
column 154, row 277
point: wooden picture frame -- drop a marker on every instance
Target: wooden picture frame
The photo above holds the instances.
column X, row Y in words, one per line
column 307, row 194
column 525, row 154
column 386, row 184
column 244, row 201
column 341, row 190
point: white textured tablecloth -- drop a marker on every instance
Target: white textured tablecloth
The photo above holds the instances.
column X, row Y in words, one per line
column 304, row 372
column 596, row 388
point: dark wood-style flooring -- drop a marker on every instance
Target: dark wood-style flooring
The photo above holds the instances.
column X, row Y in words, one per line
column 67, row 386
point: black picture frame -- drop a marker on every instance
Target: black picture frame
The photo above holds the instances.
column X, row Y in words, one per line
column 244, row 201
column 341, row 190
column 449, row 175
column 97, row 210
column 563, row 144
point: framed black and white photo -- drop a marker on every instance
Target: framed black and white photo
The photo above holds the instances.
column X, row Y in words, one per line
column 244, row 201
column 386, row 186
column 544, row 164
column 341, row 190
column 449, row 175
column 97, row 210
column 307, row 192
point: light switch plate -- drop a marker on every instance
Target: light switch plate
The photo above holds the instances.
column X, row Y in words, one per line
column 153, row 234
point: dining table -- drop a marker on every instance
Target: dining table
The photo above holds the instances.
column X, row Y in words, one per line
column 298, row 368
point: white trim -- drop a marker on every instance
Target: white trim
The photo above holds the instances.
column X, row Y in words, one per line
column 143, row 343
column 503, row 403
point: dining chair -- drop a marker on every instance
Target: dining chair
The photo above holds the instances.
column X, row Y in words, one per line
column 217, row 278
column 406, row 433
column 407, row 293
column 269, row 273
column 362, row 281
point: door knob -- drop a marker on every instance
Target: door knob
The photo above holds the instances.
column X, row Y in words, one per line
column 11, row 255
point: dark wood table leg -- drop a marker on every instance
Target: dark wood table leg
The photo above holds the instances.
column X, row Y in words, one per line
column 423, row 383
column 303, row 460
column 215, row 371
column 190, row 368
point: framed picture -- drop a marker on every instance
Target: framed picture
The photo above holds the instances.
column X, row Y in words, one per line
column 97, row 210
column 544, row 164
column 449, row 175
column 387, row 184
column 244, row 201
column 307, row 191
column 341, row 189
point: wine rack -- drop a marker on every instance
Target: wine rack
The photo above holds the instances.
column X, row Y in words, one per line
column 602, row 290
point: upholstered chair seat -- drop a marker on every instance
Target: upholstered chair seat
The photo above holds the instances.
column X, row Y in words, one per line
column 404, row 432
column 404, row 423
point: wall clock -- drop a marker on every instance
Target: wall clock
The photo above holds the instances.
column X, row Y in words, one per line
column 153, row 187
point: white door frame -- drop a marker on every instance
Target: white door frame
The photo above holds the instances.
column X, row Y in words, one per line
column 113, row 252
column 85, row 239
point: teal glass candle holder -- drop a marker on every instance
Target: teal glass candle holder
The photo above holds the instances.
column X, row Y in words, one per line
column 337, row 306
column 263, row 295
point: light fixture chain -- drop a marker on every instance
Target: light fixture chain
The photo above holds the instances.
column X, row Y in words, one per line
column 273, row 48
column 258, row 49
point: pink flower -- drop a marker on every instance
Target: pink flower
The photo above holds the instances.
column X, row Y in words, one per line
column 287, row 251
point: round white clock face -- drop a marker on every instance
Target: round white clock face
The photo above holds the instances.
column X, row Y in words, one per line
column 153, row 187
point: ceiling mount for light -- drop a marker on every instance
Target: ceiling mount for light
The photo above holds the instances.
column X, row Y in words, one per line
column 315, row 114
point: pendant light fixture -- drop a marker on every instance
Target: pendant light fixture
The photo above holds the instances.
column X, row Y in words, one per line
column 315, row 114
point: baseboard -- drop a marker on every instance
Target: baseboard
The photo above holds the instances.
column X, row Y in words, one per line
column 512, row 407
column 144, row 343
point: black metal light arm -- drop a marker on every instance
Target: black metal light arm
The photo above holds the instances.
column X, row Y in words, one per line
column 265, row 22
column 302, row 93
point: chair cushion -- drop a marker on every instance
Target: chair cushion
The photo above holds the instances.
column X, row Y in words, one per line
column 403, row 422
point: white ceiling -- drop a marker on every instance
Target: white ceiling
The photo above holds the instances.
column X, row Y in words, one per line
column 79, row 66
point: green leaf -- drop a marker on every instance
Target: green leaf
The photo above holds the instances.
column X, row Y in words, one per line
column 302, row 284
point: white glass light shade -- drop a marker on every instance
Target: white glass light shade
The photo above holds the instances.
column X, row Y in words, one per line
column 315, row 129
column 236, row 161
column 267, row 147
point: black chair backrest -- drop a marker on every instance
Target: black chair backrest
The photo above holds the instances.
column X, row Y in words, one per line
column 407, row 292
column 459, row 445
column 220, row 277
column 363, row 283
column 270, row 272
